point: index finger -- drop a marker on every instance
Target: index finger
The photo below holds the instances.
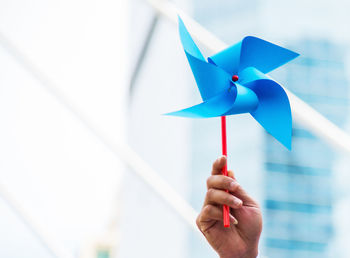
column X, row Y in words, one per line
column 218, row 165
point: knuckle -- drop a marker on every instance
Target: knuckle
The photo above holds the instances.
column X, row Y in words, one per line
column 207, row 209
column 198, row 221
column 210, row 193
column 209, row 181
column 224, row 182
column 227, row 182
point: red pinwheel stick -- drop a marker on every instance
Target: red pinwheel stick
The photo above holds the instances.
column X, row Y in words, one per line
column 226, row 209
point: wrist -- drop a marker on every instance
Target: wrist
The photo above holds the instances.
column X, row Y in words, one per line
column 248, row 254
column 251, row 254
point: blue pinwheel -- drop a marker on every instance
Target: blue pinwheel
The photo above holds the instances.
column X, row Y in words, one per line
column 234, row 81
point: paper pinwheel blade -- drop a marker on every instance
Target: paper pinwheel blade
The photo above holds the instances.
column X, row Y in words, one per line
column 234, row 81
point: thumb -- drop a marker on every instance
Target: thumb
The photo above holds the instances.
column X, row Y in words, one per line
column 231, row 174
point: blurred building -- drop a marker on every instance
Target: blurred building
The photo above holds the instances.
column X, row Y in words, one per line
column 298, row 184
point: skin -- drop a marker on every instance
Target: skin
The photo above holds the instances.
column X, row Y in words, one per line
column 241, row 239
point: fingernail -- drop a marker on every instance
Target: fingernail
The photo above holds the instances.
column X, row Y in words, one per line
column 235, row 222
column 237, row 202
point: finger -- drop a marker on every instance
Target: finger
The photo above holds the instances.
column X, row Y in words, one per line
column 241, row 193
column 244, row 196
column 219, row 197
column 211, row 212
column 231, row 174
column 218, row 165
column 222, row 182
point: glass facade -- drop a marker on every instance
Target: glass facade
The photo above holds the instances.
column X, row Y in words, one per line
column 298, row 208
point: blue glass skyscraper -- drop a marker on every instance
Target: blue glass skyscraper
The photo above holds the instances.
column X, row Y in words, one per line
column 298, row 186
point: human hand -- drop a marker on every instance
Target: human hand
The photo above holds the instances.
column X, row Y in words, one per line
column 241, row 239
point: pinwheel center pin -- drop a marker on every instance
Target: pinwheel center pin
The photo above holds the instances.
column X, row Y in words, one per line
column 235, row 78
